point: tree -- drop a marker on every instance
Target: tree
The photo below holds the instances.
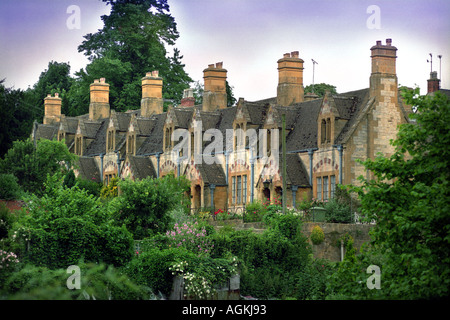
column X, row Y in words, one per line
column 31, row 165
column 16, row 116
column 409, row 199
column 320, row 89
column 134, row 38
column 55, row 79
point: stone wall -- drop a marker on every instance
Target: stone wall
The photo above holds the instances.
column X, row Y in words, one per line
column 330, row 248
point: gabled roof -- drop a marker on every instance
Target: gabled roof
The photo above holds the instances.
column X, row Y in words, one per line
column 154, row 142
column 212, row 174
column 296, row 171
column 88, row 169
column 142, row 167
column 304, row 133
column 46, row 131
column 98, row 145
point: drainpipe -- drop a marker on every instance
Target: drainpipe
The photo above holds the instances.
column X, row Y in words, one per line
column 101, row 166
column 211, row 188
column 340, row 149
column 158, row 155
column 252, row 182
column 311, row 153
column 118, row 164
column 294, row 192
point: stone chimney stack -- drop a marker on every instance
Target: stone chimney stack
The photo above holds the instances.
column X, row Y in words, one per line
column 215, row 89
column 52, row 109
column 383, row 76
column 188, row 99
column 99, row 106
column 433, row 82
column 152, row 101
column 290, row 79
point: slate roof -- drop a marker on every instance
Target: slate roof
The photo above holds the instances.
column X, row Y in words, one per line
column 154, row 142
column 98, row 145
column 212, row 174
column 46, row 131
column 304, row 127
column 88, row 169
column 296, row 171
column 142, row 167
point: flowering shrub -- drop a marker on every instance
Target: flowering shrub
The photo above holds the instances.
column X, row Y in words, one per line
column 191, row 236
column 201, row 277
column 8, row 259
column 226, row 215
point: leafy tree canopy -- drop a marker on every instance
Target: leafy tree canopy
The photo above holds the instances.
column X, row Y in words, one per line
column 320, row 89
column 31, row 165
column 132, row 42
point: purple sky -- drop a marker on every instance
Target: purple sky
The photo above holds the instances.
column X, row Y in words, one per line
column 249, row 36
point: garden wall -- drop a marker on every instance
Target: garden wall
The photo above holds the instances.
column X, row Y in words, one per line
column 330, row 248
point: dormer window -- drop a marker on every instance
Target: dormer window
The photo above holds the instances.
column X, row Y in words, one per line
column 168, row 138
column 79, row 145
column 110, row 141
column 131, row 144
column 325, row 131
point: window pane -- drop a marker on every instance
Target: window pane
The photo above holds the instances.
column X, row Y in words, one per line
column 233, row 190
column 238, row 191
column 319, row 188
column 325, row 188
column 332, row 186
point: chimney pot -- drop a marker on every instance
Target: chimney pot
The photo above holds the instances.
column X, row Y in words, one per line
column 56, row 95
column 102, row 80
column 219, row 65
column 210, row 65
column 155, row 73
column 148, row 74
column 388, row 42
column 287, row 55
column 378, row 42
column 294, row 54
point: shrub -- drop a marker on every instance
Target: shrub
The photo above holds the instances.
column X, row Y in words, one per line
column 91, row 187
column 111, row 190
column 190, row 235
column 98, row 281
column 144, row 205
column 67, row 224
column 151, row 268
column 317, row 236
column 338, row 212
column 9, row 187
column 254, row 211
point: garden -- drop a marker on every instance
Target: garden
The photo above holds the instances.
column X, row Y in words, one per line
column 133, row 243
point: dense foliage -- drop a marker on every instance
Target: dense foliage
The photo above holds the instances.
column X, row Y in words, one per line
column 31, row 165
column 143, row 205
